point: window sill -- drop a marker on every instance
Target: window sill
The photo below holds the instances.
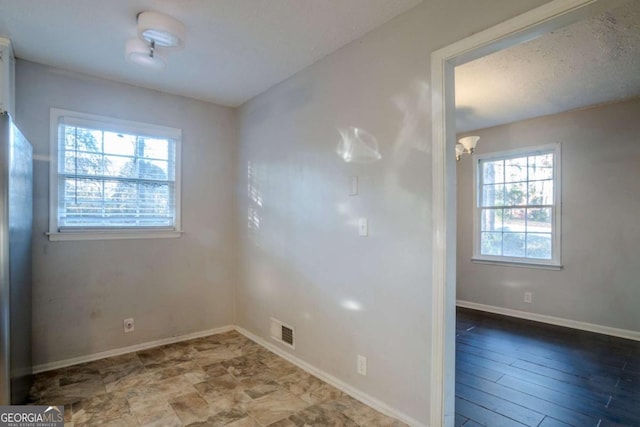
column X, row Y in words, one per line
column 504, row 263
column 112, row 235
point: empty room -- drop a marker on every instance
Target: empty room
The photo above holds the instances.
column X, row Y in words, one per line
column 547, row 290
column 257, row 213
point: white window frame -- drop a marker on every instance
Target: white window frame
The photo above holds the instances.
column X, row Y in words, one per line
column 555, row 262
column 115, row 125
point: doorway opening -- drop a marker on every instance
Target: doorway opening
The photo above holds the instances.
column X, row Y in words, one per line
column 542, row 20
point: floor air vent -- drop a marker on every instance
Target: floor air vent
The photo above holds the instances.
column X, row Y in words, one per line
column 282, row 333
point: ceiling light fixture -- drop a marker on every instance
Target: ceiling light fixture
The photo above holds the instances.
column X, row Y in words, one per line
column 164, row 30
column 143, row 54
column 155, row 30
column 466, row 145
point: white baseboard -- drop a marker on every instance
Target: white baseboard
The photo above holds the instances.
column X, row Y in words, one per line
column 558, row 321
column 330, row 379
column 123, row 350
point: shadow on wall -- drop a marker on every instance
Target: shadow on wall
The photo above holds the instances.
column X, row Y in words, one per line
column 411, row 156
column 415, row 131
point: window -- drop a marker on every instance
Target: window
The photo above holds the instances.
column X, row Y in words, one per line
column 112, row 178
column 517, row 215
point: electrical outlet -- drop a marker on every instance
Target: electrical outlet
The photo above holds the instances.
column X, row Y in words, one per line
column 528, row 297
column 362, row 365
column 128, row 325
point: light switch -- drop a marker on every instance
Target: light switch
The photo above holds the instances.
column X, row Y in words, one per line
column 354, row 186
column 363, row 227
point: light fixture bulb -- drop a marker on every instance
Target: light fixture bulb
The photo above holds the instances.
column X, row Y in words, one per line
column 469, row 143
column 164, row 30
column 140, row 53
column 459, row 150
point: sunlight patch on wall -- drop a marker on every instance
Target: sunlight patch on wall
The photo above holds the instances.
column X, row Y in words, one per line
column 351, row 305
column 357, row 146
column 255, row 199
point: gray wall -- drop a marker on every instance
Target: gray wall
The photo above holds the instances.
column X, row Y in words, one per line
column 301, row 258
column 600, row 228
column 83, row 290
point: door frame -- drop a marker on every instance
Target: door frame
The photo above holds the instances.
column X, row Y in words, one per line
column 548, row 17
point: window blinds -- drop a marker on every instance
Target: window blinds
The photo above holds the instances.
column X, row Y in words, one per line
column 114, row 177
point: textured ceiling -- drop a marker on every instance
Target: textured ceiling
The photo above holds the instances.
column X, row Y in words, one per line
column 587, row 63
column 235, row 49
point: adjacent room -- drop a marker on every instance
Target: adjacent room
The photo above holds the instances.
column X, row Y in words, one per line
column 547, row 229
column 227, row 213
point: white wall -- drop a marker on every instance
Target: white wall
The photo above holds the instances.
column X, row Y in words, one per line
column 301, row 258
column 83, row 290
column 600, row 228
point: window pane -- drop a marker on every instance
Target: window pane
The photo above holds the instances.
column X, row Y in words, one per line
column 123, row 200
column 491, row 243
column 515, row 169
column 493, row 195
column 515, row 194
column 493, row 172
column 154, row 199
column 539, row 245
column 513, row 244
column 117, row 143
column 539, row 220
column 79, row 190
column 517, row 199
column 131, row 179
column 156, row 169
column 83, row 199
column 69, row 138
column 126, row 204
column 154, row 148
column 541, row 167
column 129, row 169
column 491, row 220
column 117, row 166
column 81, row 139
column 514, row 220
column 541, row 192
column 83, row 163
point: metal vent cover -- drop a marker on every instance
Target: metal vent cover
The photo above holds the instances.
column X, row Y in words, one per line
column 282, row 333
column 287, row 335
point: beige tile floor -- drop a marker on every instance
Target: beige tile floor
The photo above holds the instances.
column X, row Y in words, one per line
column 220, row 380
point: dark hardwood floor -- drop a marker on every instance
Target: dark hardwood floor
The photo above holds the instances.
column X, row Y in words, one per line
column 512, row 372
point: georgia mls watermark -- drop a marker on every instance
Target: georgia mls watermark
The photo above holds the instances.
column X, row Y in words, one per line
column 31, row 416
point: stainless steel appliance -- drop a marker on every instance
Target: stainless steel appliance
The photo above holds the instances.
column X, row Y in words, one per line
column 16, row 213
